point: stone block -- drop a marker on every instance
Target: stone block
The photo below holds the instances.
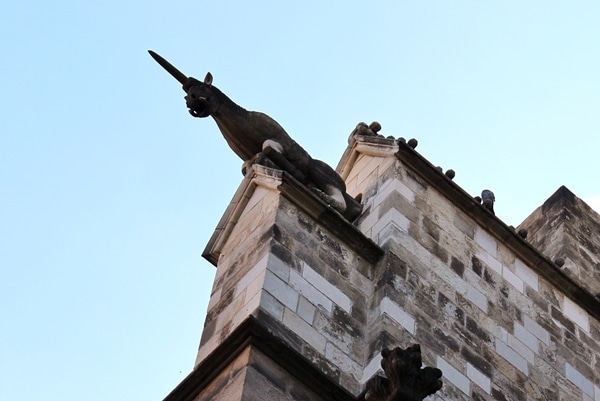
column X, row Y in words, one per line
column 281, row 291
column 525, row 273
column 526, row 337
column 486, row 241
column 537, row 330
column 477, row 297
column 325, row 287
column 454, row 376
column 343, row 361
column 575, row 313
column 579, row 380
column 306, row 310
column 513, row 279
column 477, row 377
column 511, row 356
column 305, row 331
column 272, row 306
column 304, row 288
column 521, row 348
column 398, row 314
column 489, row 260
column 278, row 267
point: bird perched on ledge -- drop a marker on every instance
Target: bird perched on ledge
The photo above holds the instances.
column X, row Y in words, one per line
column 488, row 198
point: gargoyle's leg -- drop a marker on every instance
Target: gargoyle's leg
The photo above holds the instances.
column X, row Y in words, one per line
column 335, row 198
column 330, row 184
column 273, row 151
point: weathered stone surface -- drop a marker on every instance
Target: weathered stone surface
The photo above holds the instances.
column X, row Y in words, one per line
column 452, row 278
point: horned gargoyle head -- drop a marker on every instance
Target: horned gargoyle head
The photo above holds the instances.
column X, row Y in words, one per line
column 200, row 98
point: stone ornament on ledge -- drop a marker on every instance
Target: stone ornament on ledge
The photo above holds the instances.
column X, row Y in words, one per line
column 256, row 137
column 405, row 379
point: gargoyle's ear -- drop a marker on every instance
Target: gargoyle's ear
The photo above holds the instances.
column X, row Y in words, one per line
column 208, row 79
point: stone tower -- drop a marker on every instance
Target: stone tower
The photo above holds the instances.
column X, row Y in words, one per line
column 566, row 228
column 304, row 301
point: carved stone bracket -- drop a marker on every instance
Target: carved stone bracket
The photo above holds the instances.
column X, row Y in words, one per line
column 405, row 379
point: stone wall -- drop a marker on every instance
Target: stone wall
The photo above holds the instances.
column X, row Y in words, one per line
column 423, row 264
column 497, row 328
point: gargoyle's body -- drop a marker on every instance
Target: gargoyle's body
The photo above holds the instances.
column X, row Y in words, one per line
column 253, row 135
column 246, row 131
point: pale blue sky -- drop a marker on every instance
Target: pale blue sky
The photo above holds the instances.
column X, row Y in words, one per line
column 110, row 190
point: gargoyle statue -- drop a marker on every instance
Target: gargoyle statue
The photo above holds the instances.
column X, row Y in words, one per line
column 406, row 380
column 255, row 137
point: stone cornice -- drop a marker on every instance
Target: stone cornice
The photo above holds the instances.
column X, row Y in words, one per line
column 303, row 198
column 251, row 333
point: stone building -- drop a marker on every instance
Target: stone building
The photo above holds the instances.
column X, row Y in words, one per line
column 304, row 301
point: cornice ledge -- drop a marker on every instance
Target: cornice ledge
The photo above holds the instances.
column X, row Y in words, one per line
column 252, row 333
column 299, row 195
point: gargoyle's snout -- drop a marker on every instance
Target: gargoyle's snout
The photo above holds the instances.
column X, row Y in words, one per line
column 198, row 106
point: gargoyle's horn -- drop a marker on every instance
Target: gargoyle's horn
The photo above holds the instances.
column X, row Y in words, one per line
column 178, row 75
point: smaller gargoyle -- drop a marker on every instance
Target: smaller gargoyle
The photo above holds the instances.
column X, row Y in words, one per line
column 405, row 379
